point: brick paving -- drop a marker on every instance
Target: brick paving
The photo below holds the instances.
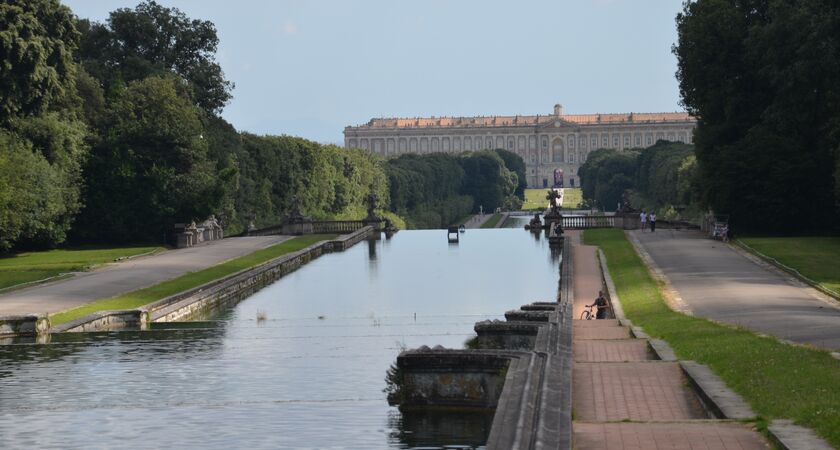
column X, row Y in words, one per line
column 671, row 436
column 581, row 333
column 633, row 391
column 615, row 379
column 596, row 323
column 612, row 350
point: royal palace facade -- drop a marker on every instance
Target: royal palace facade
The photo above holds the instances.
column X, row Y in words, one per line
column 553, row 146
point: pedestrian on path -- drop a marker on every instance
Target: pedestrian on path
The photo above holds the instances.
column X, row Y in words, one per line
column 643, row 220
column 602, row 304
column 652, row 221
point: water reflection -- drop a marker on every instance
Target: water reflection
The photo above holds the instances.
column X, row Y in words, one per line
column 430, row 429
column 310, row 375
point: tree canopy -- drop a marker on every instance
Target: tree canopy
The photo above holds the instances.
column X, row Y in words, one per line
column 763, row 79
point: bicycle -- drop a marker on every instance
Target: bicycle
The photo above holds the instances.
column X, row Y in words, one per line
column 587, row 313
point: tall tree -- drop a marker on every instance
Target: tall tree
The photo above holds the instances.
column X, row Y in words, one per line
column 151, row 168
column 153, row 40
column 37, row 40
column 43, row 139
column 762, row 77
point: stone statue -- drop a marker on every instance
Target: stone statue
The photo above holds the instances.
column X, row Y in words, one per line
column 294, row 208
column 552, row 198
column 371, row 199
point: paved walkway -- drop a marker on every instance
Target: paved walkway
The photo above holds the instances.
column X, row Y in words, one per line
column 114, row 279
column 624, row 398
column 715, row 281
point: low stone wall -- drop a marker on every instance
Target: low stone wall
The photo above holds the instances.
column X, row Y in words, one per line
column 228, row 291
column 528, row 316
column 106, row 321
column 27, row 325
column 533, row 406
column 213, row 296
column 507, row 335
column 441, row 378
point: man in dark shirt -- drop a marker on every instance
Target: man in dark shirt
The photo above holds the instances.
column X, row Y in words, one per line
column 602, row 304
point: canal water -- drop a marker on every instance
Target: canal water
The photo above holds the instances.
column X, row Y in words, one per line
column 310, row 375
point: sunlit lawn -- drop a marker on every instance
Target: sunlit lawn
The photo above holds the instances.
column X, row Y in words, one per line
column 535, row 199
column 572, row 198
column 817, row 258
column 492, row 221
column 141, row 297
column 32, row 266
column 778, row 380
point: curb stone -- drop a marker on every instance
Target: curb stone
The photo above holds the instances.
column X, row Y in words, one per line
column 790, row 436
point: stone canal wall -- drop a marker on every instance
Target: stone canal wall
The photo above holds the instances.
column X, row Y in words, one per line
column 26, row 325
column 106, row 320
column 522, row 368
column 215, row 295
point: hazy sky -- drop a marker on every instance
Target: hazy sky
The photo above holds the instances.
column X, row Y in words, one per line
column 311, row 67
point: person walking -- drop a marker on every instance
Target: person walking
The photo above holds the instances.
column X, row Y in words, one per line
column 652, row 221
column 643, row 220
column 602, row 305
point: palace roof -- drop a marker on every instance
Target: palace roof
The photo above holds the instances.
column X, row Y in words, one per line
column 506, row 121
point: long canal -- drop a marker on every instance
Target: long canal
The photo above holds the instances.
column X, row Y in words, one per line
column 308, row 375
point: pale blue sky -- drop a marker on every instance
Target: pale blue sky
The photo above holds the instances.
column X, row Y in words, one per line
column 311, row 67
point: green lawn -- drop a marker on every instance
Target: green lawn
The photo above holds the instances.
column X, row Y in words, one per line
column 492, row 221
column 572, row 198
column 32, row 266
column 817, row 258
column 778, row 380
column 140, row 297
column 535, row 199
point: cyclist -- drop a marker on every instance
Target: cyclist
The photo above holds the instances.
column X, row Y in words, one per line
column 602, row 304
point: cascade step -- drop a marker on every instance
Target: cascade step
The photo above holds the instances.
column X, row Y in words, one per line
column 585, row 333
column 612, row 350
column 596, row 323
column 646, row 391
column 637, row 436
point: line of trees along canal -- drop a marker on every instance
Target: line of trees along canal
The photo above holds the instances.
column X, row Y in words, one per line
column 111, row 132
column 662, row 177
column 763, row 79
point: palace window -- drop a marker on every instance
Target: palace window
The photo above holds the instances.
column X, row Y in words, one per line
column 615, row 141
column 638, row 140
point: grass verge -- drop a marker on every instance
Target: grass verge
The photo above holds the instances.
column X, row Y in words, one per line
column 816, row 258
column 33, row 266
column 535, row 200
column 492, row 221
column 572, row 198
column 777, row 380
column 141, row 297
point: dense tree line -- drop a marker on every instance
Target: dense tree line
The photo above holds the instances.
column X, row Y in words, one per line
column 662, row 177
column 763, row 79
column 110, row 133
column 436, row 190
